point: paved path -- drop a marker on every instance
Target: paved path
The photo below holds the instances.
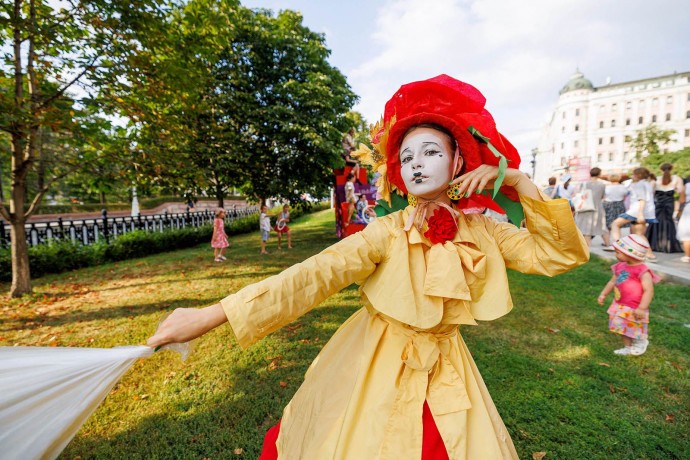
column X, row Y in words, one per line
column 667, row 266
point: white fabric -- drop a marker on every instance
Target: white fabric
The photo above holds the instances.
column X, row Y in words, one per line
column 615, row 192
column 48, row 393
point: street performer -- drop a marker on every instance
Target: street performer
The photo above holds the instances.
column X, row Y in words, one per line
column 396, row 380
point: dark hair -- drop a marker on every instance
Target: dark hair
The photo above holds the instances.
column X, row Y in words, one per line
column 552, row 181
column 350, row 176
column 595, row 172
column 643, row 173
column 666, row 168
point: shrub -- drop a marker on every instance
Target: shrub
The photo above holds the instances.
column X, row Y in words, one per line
column 61, row 256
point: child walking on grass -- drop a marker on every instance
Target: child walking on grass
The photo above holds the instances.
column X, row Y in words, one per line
column 219, row 240
column 282, row 227
column 264, row 227
column 632, row 284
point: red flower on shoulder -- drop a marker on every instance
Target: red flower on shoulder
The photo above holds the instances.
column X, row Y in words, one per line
column 442, row 226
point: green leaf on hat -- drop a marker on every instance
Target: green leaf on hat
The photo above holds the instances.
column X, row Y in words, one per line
column 513, row 209
column 397, row 203
column 502, row 162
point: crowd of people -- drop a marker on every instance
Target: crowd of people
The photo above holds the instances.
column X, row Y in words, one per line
column 651, row 206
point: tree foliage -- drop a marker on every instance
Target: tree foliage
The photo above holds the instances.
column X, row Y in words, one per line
column 210, row 95
column 56, row 52
column 250, row 101
column 650, row 140
column 680, row 161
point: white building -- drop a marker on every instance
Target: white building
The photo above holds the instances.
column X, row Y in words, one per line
column 592, row 126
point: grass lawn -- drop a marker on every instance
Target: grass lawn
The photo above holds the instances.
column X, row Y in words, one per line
column 549, row 364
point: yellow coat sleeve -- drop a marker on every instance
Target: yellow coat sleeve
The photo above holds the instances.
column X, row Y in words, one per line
column 550, row 244
column 261, row 308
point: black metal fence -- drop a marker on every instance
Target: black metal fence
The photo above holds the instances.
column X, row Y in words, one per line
column 89, row 231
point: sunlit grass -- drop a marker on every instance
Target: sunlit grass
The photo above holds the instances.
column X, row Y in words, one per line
column 548, row 364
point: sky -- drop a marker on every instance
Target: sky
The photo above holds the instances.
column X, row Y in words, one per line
column 518, row 53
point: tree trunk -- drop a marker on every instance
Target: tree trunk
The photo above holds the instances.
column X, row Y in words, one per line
column 220, row 196
column 102, row 197
column 21, row 274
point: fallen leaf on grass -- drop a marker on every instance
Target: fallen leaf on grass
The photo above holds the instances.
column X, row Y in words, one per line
column 604, row 364
column 613, row 389
column 283, row 384
column 238, row 451
column 273, row 365
column 670, row 418
column 538, row 455
column 676, row 366
column 553, row 331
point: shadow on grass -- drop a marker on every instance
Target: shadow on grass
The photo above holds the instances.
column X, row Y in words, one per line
column 235, row 418
column 124, row 311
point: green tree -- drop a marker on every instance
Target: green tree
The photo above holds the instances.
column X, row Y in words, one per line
column 249, row 101
column 680, row 161
column 650, row 141
column 56, row 52
column 296, row 112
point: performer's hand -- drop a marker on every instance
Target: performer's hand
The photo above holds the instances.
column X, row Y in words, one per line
column 484, row 177
column 185, row 324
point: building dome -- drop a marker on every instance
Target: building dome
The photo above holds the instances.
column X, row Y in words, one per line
column 576, row 82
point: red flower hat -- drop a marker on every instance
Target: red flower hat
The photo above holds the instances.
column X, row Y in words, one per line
column 456, row 106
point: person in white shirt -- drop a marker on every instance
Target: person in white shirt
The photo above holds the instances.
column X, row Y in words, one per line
column 566, row 189
column 614, row 205
column 264, row 227
column 640, row 211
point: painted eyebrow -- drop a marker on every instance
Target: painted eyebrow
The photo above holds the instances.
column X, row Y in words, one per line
column 424, row 144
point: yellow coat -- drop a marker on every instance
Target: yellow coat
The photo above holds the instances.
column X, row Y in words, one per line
column 362, row 397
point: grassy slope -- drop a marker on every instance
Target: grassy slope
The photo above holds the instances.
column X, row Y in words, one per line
column 549, row 364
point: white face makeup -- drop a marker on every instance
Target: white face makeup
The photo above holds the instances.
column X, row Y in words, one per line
column 426, row 160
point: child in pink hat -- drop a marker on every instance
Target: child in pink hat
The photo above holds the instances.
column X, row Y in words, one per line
column 632, row 284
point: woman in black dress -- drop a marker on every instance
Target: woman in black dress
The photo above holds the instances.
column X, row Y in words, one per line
column 662, row 235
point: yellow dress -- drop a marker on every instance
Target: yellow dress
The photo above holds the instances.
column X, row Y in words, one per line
column 363, row 395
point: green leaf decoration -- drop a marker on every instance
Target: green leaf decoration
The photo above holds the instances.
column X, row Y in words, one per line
column 397, row 203
column 502, row 162
column 512, row 208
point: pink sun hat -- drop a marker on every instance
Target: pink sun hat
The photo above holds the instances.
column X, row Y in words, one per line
column 635, row 246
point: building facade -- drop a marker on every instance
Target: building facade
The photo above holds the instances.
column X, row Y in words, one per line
column 593, row 126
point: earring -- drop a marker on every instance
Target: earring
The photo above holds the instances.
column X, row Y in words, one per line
column 453, row 192
column 411, row 199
